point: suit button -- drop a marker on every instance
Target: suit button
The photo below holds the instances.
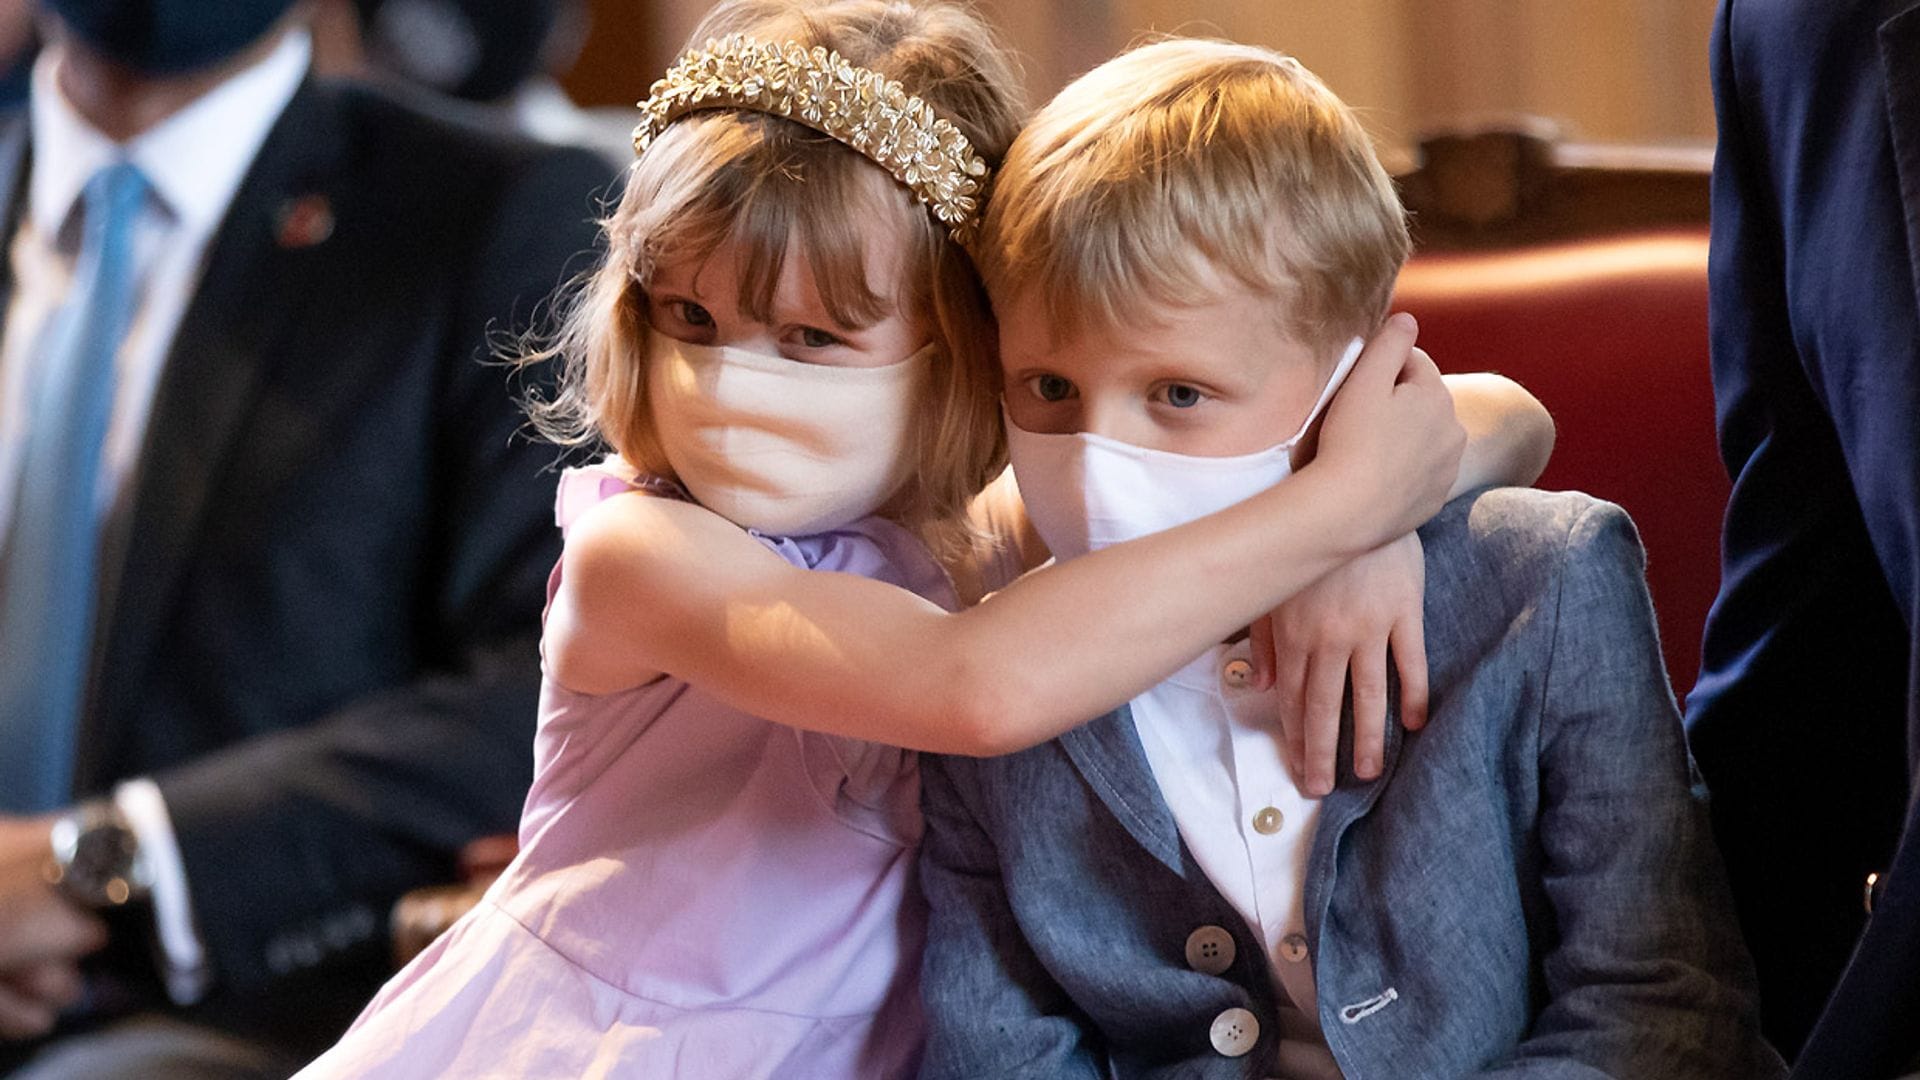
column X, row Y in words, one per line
column 1210, row 950
column 1268, row 821
column 1234, row 1032
column 1293, row 948
column 1236, row 673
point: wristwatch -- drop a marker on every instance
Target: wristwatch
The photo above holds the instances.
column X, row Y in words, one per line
column 96, row 859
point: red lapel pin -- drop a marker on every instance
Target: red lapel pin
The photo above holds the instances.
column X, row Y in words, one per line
column 305, row 221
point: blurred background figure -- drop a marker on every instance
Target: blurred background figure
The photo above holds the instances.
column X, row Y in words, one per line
column 271, row 553
column 504, row 57
column 489, row 52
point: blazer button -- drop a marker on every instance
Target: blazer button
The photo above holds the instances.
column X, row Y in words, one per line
column 1210, row 950
column 1234, row 1032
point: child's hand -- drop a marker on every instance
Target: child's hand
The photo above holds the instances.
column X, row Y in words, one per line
column 1343, row 625
column 1391, row 438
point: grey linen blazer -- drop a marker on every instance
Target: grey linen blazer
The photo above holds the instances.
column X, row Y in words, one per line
column 1529, row 890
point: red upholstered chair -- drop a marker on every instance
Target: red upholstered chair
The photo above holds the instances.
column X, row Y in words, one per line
column 1586, row 282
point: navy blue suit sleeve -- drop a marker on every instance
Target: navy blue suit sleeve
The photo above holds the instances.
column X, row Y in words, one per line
column 1808, row 654
column 993, row 1011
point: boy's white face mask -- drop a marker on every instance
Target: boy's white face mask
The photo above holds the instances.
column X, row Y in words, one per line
column 781, row 446
column 1084, row 491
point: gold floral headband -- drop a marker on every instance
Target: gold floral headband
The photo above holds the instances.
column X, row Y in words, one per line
column 818, row 88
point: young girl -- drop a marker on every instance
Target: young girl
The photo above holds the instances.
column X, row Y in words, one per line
column 789, row 352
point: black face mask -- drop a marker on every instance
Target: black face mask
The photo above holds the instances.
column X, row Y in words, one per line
column 168, row 37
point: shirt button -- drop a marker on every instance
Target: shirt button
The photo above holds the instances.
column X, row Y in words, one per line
column 1210, row 950
column 1234, row 1033
column 1293, row 948
column 1268, row 821
column 1237, row 673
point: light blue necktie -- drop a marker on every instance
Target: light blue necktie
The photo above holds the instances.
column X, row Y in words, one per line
column 50, row 553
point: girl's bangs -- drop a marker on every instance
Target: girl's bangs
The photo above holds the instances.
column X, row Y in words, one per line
column 781, row 185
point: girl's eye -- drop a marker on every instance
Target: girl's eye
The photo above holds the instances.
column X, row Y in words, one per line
column 693, row 314
column 814, row 338
column 1182, row 396
column 1051, row 387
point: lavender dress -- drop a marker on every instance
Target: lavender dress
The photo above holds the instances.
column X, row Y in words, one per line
column 699, row 893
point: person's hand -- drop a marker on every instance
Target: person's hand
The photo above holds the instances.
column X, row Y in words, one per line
column 1344, row 624
column 1391, row 439
column 42, row 933
column 32, row 997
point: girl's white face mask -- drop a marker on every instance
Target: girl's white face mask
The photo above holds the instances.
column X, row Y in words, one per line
column 1084, row 491
column 781, row 446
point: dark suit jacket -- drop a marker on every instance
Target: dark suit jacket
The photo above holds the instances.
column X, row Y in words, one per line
column 1803, row 719
column 319, row 629
column 1528, row 889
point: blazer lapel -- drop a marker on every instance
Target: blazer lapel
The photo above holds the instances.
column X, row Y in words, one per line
column 259, row 275
column 1899, row 39
column 1109, row 756
column 1352, row 799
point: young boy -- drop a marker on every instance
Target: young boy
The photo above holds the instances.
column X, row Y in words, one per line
column 1181, row 246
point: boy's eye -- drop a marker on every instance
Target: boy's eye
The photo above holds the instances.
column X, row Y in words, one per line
column 692, row 314
column 1182, row 396
column 814, row 338
column 1051, row 387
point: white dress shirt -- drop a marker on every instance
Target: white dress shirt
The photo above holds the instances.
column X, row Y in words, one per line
column 194, row 161
column 1213, row 742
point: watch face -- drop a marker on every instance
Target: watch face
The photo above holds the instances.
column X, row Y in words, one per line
column 102, row 865
column 97, row 859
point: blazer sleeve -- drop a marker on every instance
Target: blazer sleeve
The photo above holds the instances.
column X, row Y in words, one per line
column 1646, row 973
column 993, row 1010
column 296, row 842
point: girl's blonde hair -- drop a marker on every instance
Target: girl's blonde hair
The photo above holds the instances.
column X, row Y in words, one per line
column 1187, row 157
column 764, row 182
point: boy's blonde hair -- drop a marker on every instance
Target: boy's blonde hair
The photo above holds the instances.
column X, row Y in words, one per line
column 1166, row 167
column 764, row 183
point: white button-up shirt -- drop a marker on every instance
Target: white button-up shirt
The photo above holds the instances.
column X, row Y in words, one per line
column 1213, row 743
column 194, row 161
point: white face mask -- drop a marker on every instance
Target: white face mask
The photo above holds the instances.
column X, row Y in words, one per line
column 1084, row 491
column 779, row 445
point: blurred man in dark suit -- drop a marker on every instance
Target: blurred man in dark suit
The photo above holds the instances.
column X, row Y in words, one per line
column 1805, row 718
column 271, row 556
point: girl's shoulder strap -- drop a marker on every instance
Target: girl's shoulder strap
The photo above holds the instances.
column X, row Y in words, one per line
column 587, row 486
